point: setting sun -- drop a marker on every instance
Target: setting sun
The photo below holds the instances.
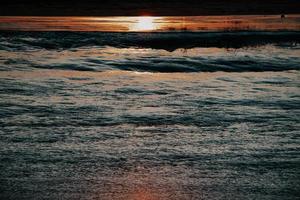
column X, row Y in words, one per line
column 144, row 24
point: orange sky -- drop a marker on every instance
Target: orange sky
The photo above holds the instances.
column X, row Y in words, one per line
column 125, row 24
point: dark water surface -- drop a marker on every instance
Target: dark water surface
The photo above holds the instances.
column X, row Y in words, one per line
column 129, row 116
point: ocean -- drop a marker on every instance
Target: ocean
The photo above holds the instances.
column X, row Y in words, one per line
column 149, row 115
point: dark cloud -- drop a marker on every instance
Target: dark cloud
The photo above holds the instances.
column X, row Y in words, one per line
column 147, row 7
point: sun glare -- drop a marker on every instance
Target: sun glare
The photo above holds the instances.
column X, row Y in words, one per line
column 144, row 24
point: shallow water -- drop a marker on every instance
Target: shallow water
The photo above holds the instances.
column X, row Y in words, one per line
column 131, row 122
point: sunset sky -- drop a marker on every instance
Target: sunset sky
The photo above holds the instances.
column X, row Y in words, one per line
column 147, row 7
column 151, row 23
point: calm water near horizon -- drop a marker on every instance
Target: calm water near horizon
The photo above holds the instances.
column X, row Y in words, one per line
column 170, row 109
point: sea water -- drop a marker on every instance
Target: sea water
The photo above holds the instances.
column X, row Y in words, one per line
column 149, row 116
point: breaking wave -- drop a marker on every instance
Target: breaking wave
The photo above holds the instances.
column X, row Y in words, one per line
column 153, row 52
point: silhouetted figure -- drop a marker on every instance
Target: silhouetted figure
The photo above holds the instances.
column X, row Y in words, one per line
column 282, row 16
